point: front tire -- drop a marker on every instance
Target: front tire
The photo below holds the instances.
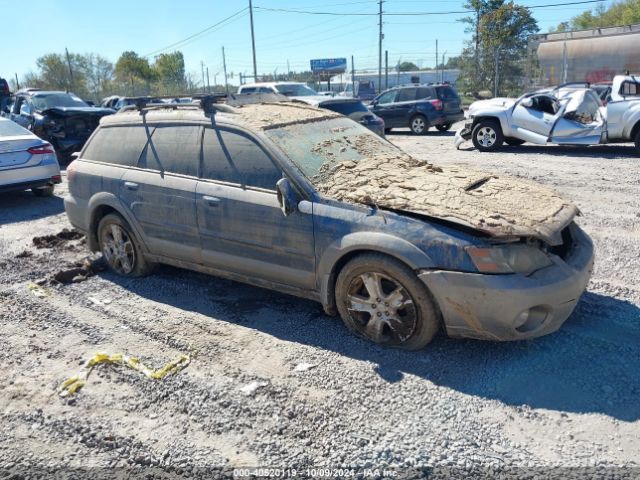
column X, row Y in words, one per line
column 120, row 248
column 637, row 142
column 43, row 191
column 418, row 125
column 382, row 300
column 487, row 136
column 444, row 127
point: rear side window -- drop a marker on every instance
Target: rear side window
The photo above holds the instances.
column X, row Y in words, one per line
column 406, row 95
column 629, row 89
column 446, row 93
column 173, row 149
column 234, row 157
column 424, row 93
column 117, row 145
column 248, row 90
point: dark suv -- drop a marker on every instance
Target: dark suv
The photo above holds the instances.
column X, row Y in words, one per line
column 419, row 107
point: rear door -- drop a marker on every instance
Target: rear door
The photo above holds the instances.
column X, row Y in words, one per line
column 160, row 193
column 242, row 228
column 582, row 122
column 404, row 106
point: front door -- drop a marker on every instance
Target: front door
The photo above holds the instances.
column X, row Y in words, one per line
column 242, row 229
column 536, row 114
column 385, row 109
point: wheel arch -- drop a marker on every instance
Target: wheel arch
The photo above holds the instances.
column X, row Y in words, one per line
column 101, row 205
column 339, row 253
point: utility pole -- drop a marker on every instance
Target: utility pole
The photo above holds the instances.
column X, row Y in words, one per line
column 443, row 55
column 66, row 51
column 253, row 44
column 437, row 60
column 497, row 77
column 203, row 84
column 386, row 69
column 224, row 66
column 288, row 70
column 380, row 37
column 353, row 79
column 17, row 82
column 208, row 84
column 477, row 59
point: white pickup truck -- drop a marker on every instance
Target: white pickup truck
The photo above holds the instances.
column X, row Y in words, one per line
column 570, row 114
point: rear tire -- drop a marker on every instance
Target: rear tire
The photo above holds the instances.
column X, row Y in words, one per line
column 382, row 300
column 444, row 127
column 419, row 125
column 487, row 136
column 120, row 248
column 637, row 142
column 43, row 191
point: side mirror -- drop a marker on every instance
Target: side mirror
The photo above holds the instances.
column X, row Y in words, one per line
column 527, row 102
column 287, row 197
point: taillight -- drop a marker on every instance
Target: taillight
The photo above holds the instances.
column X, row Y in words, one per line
column 72, row 169
column 41, row 150
column 437, row 104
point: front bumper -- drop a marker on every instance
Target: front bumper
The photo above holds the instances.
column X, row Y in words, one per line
column 488, row 306
column 463, row 135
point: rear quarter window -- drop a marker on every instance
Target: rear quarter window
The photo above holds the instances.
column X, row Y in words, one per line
column 117, row 145
column 630, row 89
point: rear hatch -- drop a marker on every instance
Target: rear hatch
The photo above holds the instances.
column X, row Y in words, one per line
column 450, row 99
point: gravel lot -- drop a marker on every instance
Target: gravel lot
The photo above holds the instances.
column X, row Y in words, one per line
column 566, row 405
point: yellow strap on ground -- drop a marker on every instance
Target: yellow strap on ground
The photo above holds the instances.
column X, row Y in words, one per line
column 75, row 383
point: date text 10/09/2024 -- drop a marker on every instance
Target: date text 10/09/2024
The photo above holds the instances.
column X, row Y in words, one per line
column 312, row 472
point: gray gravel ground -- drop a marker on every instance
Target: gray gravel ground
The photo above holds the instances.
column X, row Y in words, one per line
column 564, row 406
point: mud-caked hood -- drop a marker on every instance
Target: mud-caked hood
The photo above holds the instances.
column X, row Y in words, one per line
column 493, row 203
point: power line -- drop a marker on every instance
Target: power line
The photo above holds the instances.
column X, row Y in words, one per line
column 456, row 12
column 201, row 32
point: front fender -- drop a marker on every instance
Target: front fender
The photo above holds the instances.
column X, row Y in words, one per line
column 631, row 120
column 354, row 242
column 105, row 199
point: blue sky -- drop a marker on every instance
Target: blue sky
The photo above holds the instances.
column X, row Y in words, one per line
column 109, row 28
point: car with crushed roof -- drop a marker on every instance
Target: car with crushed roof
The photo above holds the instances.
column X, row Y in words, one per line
column 569, row 114
column 307, row 202
column 63, row 119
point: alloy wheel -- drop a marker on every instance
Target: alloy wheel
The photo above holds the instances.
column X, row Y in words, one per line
column 486, row 137
column 118, row 249
column 382, row 308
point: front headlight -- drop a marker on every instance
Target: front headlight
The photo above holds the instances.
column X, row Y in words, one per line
column 518, row 258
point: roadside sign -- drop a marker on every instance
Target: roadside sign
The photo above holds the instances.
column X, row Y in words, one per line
column 329, row 65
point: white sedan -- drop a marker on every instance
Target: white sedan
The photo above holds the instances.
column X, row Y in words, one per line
column 26, row 161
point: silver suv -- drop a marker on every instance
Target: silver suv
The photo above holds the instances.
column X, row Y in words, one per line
column 307, row 202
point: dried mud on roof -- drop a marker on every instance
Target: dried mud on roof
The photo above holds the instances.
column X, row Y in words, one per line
column 266, row 116
column 497, row 204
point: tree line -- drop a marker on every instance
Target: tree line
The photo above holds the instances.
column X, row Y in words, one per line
column 626, row 12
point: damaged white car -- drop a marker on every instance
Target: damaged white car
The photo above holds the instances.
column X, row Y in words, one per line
column 570, row 114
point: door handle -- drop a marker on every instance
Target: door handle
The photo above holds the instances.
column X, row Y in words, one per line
column 211, row 201
column 131, row 185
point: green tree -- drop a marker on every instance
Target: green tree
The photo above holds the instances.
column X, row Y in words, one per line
column 134, row 73
column 408, row 67
column 625, row 12
column 169, row 69
column 500, row 32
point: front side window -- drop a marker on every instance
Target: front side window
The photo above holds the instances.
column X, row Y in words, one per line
column 173, row 149
column 234, row 157
column 388, row 97
column 586, row 111
column 117, row 145
column 24, row 108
